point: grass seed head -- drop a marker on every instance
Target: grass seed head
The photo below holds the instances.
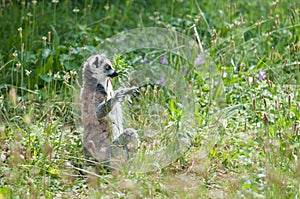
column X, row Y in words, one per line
column 12, row 96
column 265, row 119
column 20, row 32
column 289, row 100
column 44, row 40
column 49, row 36
column 254, row 104
column 265, row 102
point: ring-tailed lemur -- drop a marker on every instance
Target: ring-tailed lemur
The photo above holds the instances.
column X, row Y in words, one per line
column 102, row 112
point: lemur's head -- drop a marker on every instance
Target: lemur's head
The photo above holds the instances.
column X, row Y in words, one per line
column 100, row 67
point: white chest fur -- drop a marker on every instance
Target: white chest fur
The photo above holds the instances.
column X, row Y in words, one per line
column 109, row 89
column 116, row 114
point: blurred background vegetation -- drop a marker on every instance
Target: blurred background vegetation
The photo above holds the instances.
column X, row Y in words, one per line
column 254, row 45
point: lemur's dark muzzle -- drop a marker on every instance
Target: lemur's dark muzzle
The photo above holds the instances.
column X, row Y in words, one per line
column 114, row 74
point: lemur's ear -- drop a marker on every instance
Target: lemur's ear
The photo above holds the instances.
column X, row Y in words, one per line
column 96, row 62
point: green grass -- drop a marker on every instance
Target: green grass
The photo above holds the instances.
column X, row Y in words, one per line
column 244, row 143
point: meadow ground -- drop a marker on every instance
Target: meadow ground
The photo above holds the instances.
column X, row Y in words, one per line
column 229, row 128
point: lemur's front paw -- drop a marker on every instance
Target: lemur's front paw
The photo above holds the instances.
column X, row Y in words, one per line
column 120, row 93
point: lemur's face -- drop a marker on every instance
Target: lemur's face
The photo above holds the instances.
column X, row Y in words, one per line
column 101, row 67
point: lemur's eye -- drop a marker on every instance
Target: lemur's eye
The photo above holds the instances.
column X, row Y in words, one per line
column 107, row 67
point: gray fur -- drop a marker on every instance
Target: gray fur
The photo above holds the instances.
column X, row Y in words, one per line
column 100, row 105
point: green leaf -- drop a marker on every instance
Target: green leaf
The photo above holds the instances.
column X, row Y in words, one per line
column 45, row 77
column 40, row 72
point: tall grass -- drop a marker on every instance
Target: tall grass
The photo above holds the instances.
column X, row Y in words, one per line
column 251, row 150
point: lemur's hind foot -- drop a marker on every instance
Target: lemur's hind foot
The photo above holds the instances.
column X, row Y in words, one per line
column 129, row 140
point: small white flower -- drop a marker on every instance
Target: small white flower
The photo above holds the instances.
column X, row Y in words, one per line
column 55, row 1
column 106, row 7
column 56, row 75
column 34, row 3
column 66, row 77
column 76, row 10
column 73, row 73
column 27, row 72
column 18, row 65
column 15, row 54
column 49, row 73
column 29, row 14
